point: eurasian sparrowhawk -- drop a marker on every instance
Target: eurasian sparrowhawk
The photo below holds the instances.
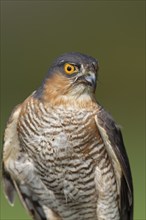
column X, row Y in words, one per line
column 63, row 153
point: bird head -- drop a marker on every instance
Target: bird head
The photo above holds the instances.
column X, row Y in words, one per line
column 72, row 75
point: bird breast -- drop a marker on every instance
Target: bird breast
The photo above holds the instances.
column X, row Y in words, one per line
column 66, row 148
column 60, row 140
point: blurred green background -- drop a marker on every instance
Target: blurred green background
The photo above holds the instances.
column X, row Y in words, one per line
column 33, row 33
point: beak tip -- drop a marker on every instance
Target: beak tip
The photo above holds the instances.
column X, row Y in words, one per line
column 91, row 79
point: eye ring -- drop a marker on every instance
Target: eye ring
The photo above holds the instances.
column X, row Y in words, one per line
column 69, row 68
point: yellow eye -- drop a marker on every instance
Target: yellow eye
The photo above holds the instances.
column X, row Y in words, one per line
column 69, row 68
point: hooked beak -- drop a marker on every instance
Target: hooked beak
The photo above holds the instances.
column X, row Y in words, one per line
column 88, row 79
column 91, row 79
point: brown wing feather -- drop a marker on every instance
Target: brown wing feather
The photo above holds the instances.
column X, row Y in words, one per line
column 10, row 151
column 107, row 127
column 27, row 199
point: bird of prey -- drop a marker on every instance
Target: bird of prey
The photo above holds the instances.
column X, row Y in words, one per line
column 63, row 153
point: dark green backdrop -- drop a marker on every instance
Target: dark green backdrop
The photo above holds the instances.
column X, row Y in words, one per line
column 33, row 33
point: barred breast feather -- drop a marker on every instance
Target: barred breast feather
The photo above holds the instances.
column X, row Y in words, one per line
column 63, row 168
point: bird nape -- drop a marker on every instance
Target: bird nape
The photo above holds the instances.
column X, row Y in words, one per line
column 63, row 153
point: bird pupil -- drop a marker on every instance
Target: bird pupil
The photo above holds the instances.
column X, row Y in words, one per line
column 69, row 68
